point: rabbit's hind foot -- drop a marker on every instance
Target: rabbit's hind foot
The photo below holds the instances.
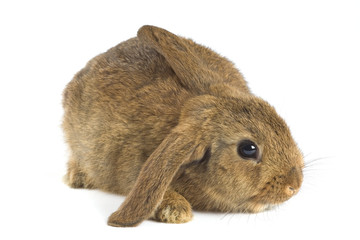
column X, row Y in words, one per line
column 76, row 178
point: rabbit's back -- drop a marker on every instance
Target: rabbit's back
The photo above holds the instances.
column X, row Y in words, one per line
column 118, row 109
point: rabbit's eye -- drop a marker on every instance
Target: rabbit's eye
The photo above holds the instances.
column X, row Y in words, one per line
column 248, row 150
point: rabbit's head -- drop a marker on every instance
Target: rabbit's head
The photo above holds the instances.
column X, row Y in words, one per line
column 249, row 161
column 230, row 150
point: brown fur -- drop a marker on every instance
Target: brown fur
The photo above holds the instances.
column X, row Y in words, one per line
column 158, row 118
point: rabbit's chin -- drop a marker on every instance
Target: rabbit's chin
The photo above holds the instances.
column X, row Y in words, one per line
column 254, row 207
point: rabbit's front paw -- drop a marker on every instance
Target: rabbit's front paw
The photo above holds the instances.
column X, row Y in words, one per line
column 174, row 208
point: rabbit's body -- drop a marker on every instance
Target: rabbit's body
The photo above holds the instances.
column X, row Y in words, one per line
column 119, row 108
column 110, row 132
column 159, row 118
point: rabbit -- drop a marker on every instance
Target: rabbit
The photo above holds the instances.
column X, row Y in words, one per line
column 174, row 127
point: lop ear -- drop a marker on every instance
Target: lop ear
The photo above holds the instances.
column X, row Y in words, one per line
column 196, row 66
column 155, row 177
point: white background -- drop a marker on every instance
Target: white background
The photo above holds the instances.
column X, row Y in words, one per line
column 301, row 56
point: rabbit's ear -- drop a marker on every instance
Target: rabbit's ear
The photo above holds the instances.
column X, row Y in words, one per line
column 155, row 177
column 190, row 66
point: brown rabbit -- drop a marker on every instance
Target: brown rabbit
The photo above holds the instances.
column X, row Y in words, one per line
column 173, row 126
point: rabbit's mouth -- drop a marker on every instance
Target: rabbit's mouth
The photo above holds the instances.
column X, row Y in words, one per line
column 265, row 201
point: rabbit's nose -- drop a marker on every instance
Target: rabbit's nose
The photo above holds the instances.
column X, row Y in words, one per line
column 289, row 190
column 294, row 181
column 295, row 178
